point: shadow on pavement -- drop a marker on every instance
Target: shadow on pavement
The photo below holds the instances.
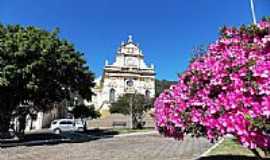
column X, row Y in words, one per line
column 229, row 157
column 101, row 132
column 47, row 138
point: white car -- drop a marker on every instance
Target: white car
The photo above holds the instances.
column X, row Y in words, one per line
column 65, row 125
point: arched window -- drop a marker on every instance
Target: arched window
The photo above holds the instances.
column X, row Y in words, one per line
column 147, row 94
column 112, row 95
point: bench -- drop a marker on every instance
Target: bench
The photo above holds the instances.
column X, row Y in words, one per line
column 119, row 124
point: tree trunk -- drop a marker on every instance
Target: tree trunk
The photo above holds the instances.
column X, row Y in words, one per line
column 8, row 105
column 4, row 125
column 84, row 124
column 266, row 153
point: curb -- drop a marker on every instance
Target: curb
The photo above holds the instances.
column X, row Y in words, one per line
column 136, row 134
column 210, row 149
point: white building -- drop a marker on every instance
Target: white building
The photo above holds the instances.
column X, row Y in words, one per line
column 128, row 74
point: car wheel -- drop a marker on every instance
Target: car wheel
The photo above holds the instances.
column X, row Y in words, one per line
column 57, row 131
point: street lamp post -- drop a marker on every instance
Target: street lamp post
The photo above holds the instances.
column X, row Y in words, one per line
column 253, row 11
column 131, row 111
column 67, row 108
column 130, row 84
column 65, row 103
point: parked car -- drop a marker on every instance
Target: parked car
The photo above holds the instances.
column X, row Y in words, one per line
column 66, row 125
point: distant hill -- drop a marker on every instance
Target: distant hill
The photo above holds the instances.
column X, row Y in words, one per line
column 161, row 85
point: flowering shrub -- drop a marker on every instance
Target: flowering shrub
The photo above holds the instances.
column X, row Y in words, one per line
column 225, row 91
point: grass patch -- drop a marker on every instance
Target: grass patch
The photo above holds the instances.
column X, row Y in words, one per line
column 231, row 147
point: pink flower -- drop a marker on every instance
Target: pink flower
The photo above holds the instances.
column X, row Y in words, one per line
column 223, row 91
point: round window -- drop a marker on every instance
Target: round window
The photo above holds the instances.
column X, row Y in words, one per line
column 130, row 83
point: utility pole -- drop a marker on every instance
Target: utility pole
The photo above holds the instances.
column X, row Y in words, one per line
column 131, row 101
column 253, row 11
column 131, row 110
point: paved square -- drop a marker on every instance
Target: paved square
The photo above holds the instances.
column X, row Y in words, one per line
column 141, row 147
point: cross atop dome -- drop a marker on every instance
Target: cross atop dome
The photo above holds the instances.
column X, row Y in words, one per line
column 130, row 39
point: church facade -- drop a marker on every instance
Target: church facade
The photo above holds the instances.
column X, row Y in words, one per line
column 128, row 74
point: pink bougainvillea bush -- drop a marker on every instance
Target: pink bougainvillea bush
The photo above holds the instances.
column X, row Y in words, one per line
column 225, row 91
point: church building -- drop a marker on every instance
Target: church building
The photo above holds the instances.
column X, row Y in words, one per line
column 128, row 74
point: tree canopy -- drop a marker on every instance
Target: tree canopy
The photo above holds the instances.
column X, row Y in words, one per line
column 82, row 111
column 37, row 66
column 135, row 104
column 161, row 85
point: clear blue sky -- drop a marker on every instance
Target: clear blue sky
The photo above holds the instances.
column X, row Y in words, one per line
column 166, row 30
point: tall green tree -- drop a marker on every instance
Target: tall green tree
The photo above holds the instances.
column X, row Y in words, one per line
column 161, row 85
column 83, row 111
column 37, row 66
column 135, row 104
